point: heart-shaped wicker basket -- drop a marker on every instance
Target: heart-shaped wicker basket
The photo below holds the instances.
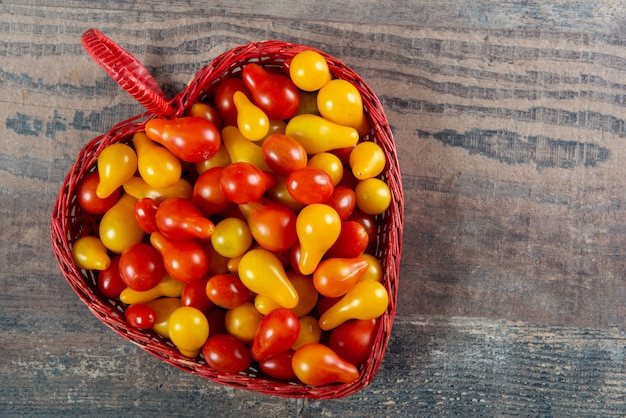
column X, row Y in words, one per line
column 70, row 222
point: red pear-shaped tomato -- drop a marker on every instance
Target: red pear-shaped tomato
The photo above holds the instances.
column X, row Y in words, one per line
column 190, row 138
column 315, row 364
column 181, row 220
column 185, row 261
column 272, row 224
column 273, row 93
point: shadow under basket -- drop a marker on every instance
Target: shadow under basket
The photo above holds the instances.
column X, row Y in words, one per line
column 70, row 222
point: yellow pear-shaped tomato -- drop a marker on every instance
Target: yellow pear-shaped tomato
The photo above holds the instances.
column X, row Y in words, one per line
column 262, row 272
column 368, row 299
column 119, row 228
column 116, row 164
column 156, row 164
column 252, row 122
column 318, row 226
column 90, row 253
column 317, row 134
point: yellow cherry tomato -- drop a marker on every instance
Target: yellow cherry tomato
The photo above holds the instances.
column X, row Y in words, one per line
column 340, row 102
column 231, row 237
column 189, row 330
column 373, row 196
column 330, row 163
column 309, row 70
column 310, row 332
column 374, row 269
column 367, row 160
column 242, row 322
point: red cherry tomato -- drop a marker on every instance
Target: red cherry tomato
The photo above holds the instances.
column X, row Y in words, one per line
column 139, row 315
column 279, row 365
column 141, row 267
column 367, row 221
column 243, row 182
column 194, row 295
column 353, row 340
column 310, row 185
column 110, row 282
column 277, row 332
column 226, row 291
column 145, row 214
column 343, row 200
column 87, row 198
column 226, row 354
column 352, row 242
column 207, row 192
column 283, row 154
column 224, row 99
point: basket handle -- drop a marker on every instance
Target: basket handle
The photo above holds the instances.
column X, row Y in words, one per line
column 127, row 71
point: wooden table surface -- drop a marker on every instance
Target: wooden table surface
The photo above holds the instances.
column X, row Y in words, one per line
column 509, row 121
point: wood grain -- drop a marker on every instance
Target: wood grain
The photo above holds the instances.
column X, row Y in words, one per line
column 509, row 121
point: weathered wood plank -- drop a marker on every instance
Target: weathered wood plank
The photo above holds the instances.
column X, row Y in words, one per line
column 434, row 366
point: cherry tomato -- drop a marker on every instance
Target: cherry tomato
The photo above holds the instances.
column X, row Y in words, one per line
column 352, row 242
column 226, row 291
column 283, row 154
column 231, row 237
column 141, row 316
column 279, row 365
column 145, row 214
column 367, row 160
column 372, row 196
column 242, row 322
column 89, row 200
column 353, row 340
column 310, row 185
column 339, row 101
column 242, row 182
column 188, row 329
column 343, row 200
column 110, row 282
column 315, row 364
column 374, row 269
column 194, row 295
column 205, row 111
column 224, row 99
column 309, row 70
column 141, row 267
column 226, row 354
column 367, row 221
column 310, row 332
column 207, row 192
column 330, row 163
column 274, row 93
column 277, row 332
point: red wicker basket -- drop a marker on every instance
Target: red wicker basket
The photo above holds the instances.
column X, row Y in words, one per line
column 70, row 222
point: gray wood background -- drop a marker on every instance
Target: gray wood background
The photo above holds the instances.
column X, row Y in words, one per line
column 509, row 121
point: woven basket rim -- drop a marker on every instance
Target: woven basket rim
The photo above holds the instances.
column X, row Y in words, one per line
column 67, row 221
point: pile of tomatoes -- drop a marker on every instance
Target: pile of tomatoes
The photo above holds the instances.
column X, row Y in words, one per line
column 242, row 230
